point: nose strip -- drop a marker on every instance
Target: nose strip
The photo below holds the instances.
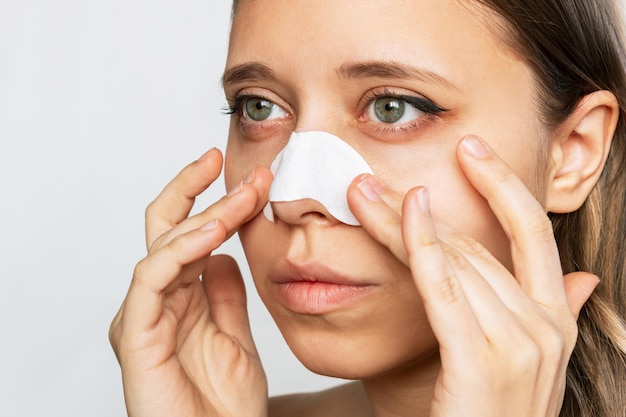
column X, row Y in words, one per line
column 316, row 165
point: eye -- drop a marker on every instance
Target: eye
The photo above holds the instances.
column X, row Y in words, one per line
column 259, row 109
column 391, row 110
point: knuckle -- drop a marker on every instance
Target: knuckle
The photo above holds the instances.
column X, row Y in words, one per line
column 141, row 270
column 176, row 245
column 150, row 211
column 527, row 355
column 455, row 258
column 571, row 336
column 157, row 243
column 553, row 342
column 115, row 336
column 449, row 290
column 568, row 333
column 467, row 245
column 417, row 239
column 539, row 225
column 424, row 243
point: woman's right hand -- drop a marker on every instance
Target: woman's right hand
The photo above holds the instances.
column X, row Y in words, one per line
column 182, row 335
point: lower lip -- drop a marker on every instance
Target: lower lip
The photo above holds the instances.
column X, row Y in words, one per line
column 306, row 297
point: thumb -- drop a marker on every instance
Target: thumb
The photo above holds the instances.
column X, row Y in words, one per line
column 226, row 295
column 578, row 288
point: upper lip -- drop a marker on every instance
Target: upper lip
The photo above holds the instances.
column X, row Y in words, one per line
column 289, row 271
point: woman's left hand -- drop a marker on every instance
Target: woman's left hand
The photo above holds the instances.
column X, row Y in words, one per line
column 505, row 338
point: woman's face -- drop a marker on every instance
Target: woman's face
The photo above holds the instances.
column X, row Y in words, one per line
column 348, row 68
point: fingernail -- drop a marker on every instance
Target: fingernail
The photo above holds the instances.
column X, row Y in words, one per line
column 474, row 147
column 209, row 226
column 423, row 199
column 371, row 187
column 235, row 190
column 249, row 178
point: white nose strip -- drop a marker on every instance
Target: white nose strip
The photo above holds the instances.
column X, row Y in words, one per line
column 316, row 165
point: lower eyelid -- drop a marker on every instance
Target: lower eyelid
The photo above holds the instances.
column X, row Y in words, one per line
column 407, row 131
column 265, row 130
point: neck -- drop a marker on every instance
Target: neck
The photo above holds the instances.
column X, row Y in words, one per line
column 405, row 392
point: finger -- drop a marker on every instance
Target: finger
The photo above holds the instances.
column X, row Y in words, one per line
column 533, row 248
column 373, row 203
column 145, row 299
column 478, row 270
column 240, row 205
column 449, row 313
column 501, row 325
column 578, row 287
column 493, row 272
column 226, row 294
column 378, row 209
column 176, row 200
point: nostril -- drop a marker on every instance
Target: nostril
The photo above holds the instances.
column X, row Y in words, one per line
column 314, row 216
column 301, row 211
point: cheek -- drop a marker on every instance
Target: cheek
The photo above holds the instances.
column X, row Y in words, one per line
column 234, row 165
column 239, row 160
column 261, row 256
column 454, row 201
column 244, row 154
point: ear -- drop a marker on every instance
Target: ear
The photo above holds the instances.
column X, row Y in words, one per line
column 579, row 151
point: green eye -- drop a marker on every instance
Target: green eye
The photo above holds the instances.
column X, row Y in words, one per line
column 258, row 109
column 399, row 109
column 389, row 109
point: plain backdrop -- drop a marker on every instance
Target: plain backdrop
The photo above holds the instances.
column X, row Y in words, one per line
column 101, row 104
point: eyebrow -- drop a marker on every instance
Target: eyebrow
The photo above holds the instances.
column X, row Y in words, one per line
column 393, row 70
column 256, row 71
column 252, row 71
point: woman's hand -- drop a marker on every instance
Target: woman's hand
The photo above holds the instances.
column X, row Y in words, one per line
column 504, row 340
column 184, row 342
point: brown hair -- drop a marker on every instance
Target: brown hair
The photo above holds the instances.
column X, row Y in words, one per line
column 576, row 47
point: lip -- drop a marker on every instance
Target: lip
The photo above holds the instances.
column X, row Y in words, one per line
column 313, row 288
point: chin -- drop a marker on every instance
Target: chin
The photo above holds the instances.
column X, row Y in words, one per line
column 359, row 353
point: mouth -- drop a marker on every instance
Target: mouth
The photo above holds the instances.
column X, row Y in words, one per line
column 313, row 288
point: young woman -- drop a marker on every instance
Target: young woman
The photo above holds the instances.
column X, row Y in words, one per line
column 486, row 277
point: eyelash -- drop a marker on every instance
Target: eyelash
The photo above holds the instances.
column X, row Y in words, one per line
column 232, row 109
column 237, row 107
column 430, row 109
column 422, row 104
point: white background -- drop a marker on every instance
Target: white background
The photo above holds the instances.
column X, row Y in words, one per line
column 101, row 103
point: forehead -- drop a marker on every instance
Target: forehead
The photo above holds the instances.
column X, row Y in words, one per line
column 450, row 37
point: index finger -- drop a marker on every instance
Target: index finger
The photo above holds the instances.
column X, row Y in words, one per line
column 529, row 230
column 175, row 202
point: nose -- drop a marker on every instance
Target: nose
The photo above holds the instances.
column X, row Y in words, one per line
column 303, row 211
column 313, row 172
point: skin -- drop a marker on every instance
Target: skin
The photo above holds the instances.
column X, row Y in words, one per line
column 486, row 79
column 468, row 312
